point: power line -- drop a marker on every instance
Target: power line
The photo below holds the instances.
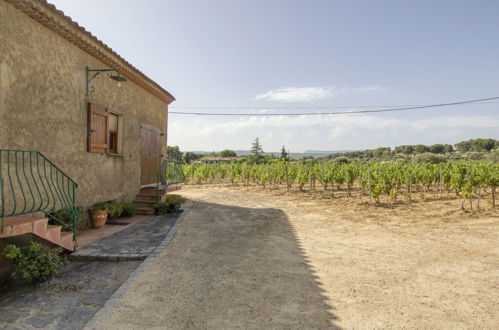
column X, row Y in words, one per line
column 303, row 107
column 403, row 108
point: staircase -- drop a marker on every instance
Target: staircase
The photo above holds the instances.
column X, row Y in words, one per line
column 21, row 225
column 169, row 176
column 146, row 198
column 30, row 185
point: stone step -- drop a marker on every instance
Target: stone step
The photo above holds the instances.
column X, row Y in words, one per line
column 148, row 196
column 153, row 190
column 145, row 210
column 53, row 233
column 144, row 201
column 173, row 187
column 26, row 224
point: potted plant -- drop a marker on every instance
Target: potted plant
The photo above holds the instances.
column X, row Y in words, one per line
column 99, row 215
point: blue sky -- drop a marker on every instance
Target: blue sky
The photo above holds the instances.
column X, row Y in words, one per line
column 266, row 55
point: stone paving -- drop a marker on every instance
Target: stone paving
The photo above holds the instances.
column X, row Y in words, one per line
column 71, row 299
column 68, row 301
column 133, row 243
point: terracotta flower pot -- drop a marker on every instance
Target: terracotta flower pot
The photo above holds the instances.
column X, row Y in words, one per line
column 99, row 218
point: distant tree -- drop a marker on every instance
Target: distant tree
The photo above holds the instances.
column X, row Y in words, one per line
column 228, row 153
column 409, row 150
column 463, row 146
column 405, row 149
column 241, row 160
column 284, row 154
column 475, row 155
column 256, row 156
column 307, row 158
column 428, row 157
column 377, row 153
column 437, row 148
column 174, row 153
column 494, row 155
column 342, row 160
column 269, row 158
column 189, row 157
column 420, row 148
column 477, row 145
column 448, row 148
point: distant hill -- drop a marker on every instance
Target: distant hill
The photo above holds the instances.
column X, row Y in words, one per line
column 324, row 152
column 308, row 153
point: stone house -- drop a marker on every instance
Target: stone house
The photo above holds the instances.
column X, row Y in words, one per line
column 72, row 104
column 217, row 160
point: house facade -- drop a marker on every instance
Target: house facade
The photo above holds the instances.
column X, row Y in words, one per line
column 217, row 160
column 57, row 98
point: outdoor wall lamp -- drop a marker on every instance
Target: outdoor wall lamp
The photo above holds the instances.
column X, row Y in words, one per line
column 90, row 74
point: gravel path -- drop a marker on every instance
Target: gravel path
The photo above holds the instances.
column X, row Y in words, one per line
column 246, row 259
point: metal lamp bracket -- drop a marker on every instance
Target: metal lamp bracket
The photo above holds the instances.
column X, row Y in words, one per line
column 90, row 74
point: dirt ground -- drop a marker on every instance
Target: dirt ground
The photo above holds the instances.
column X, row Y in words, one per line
column 248, row 258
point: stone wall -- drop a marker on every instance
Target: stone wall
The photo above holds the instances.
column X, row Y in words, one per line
column 43, row 107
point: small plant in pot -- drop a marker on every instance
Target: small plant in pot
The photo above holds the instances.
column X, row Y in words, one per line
column 99, row 215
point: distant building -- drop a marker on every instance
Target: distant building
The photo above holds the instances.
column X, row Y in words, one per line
column 217, row 160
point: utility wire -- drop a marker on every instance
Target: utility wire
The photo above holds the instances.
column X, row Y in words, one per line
column 404, row 108
column 313, row 107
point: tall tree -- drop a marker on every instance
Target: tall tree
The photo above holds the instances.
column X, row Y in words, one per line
column 191, row 156
column 228, row 153
column 284, row 153
column 174, row 153
column 256, row 152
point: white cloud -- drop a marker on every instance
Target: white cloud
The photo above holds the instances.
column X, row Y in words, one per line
column 326, row 132
column 312, row 94
column 295, row 94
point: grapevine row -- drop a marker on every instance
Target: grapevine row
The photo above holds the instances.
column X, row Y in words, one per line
column 466, row 179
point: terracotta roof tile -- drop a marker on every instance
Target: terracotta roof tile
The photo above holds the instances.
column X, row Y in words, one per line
column 27, row 7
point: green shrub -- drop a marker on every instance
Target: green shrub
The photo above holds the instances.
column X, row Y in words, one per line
column 34, row 263
column 84, row 222
column 162, row 208
column 342, row 160
column 476, row 155
column 100, row 207
column 494, row 155
column 129, row 209
column 114, row 209
column 428, row 157
column 169, row 205
column 64, row 217
column 174, row 199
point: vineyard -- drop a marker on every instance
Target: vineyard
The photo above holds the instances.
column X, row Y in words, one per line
column 388, row 182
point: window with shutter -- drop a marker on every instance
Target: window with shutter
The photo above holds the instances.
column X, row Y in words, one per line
column 98, row 121
column 104, row 130
column 113, row 133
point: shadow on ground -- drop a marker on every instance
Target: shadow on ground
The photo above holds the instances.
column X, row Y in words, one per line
column 227, row 268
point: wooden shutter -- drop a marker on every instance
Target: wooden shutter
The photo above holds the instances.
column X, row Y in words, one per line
column 97, row 128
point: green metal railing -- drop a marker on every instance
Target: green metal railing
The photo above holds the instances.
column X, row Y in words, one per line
column 30, row 183
column 170, row 173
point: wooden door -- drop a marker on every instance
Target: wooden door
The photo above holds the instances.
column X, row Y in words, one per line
column 150, row 158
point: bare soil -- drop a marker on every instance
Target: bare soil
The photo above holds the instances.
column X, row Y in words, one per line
column 255, row 258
